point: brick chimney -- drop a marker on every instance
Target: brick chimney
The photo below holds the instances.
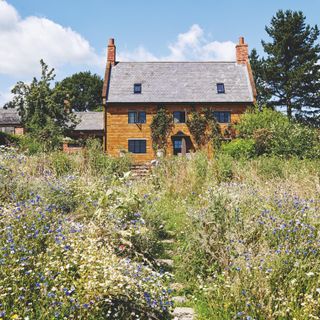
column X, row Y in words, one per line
column 242, row 52
column 111, row 51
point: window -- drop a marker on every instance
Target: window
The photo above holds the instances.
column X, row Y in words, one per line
column 220, row 88
column 137, row 88
column 136, row 117
column 137, row 146
column 222, row 116
column 7, row 129
column 179, row 117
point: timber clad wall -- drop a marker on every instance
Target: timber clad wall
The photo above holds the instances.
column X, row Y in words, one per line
column 119, row 131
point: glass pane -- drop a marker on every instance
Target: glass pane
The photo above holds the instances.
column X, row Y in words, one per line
column 131, row 117
column 137, row 146
column 176, row 117
column 142, row 117
column 182, row 117
column 131, row 146
column 179, row 117
column 222, row 116
column 137, row 88
column 143, row 146
column 177, row 144
column 220, row 87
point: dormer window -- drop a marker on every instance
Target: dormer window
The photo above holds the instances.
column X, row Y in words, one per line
column 220, row 88
column 137, row 88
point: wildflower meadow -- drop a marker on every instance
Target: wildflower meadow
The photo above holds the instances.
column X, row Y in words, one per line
column 80, row 237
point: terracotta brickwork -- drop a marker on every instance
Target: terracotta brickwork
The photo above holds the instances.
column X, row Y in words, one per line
column 68, row 148
column 111, row 52
column 19, row 131
column 119, row 131
column 242, row 52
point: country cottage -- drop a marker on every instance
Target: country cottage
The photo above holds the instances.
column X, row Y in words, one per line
column 133, row 92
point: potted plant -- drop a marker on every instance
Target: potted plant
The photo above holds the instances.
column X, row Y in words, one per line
column 122, row 152
column 160, row 153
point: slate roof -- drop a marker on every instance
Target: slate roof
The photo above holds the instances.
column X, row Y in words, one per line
column 89, row 121
column 179, row 82
column 9, row 117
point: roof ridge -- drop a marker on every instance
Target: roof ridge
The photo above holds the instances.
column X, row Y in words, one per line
column 176, row 62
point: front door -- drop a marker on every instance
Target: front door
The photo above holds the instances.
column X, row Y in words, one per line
column 181, row 145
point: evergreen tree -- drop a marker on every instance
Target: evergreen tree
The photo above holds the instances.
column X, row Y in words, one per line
column 257, row 66
column 291, row 68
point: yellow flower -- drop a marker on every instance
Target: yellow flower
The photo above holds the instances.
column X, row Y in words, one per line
column 15, row 316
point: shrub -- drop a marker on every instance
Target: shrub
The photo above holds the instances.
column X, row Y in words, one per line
column 275, row 134
column 100, row 163
column 262, row 139
column 239, row 148
column 31, row 145
column 9, row 139
column 254, row 120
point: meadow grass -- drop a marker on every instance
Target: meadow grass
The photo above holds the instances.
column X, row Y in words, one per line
column 79, row 237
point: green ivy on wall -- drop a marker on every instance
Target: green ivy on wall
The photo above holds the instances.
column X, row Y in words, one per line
column 161, row 126
column 204, row 128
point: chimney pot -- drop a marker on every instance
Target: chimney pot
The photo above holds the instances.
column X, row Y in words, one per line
column 242, row 53
column 111, row 53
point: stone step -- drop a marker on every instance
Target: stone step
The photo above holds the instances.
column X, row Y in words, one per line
column 169, row 253
column 177, row 286
column 167, row 262
column 168, row 241
column 180, row 299
column 182, row 313
column 140, row 171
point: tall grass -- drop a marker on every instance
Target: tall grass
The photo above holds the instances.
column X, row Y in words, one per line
column 78, row 237
column 248, row 234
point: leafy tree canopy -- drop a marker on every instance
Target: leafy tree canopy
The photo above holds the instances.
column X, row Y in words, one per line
column 82, row 91
column 289, row 76
column 38, row 105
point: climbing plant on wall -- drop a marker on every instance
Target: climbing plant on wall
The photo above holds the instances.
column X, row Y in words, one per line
column 197, row 124
column 204, row 128
column 161, row 126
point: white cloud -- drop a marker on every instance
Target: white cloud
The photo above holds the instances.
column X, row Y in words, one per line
column 192, row 45
column 5, row 97
column 23, row 42
column 138, row 54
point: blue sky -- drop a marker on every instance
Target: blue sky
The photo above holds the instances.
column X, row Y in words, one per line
column 71, row 35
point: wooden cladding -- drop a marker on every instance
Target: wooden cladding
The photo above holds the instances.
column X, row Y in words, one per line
column 119, row 131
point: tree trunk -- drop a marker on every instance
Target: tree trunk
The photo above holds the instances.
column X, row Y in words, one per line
column 289, row 109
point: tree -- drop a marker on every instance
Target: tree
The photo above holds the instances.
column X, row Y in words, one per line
column 82, row 91
column 257, row 66
column 41, row 114
column 291, row 70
